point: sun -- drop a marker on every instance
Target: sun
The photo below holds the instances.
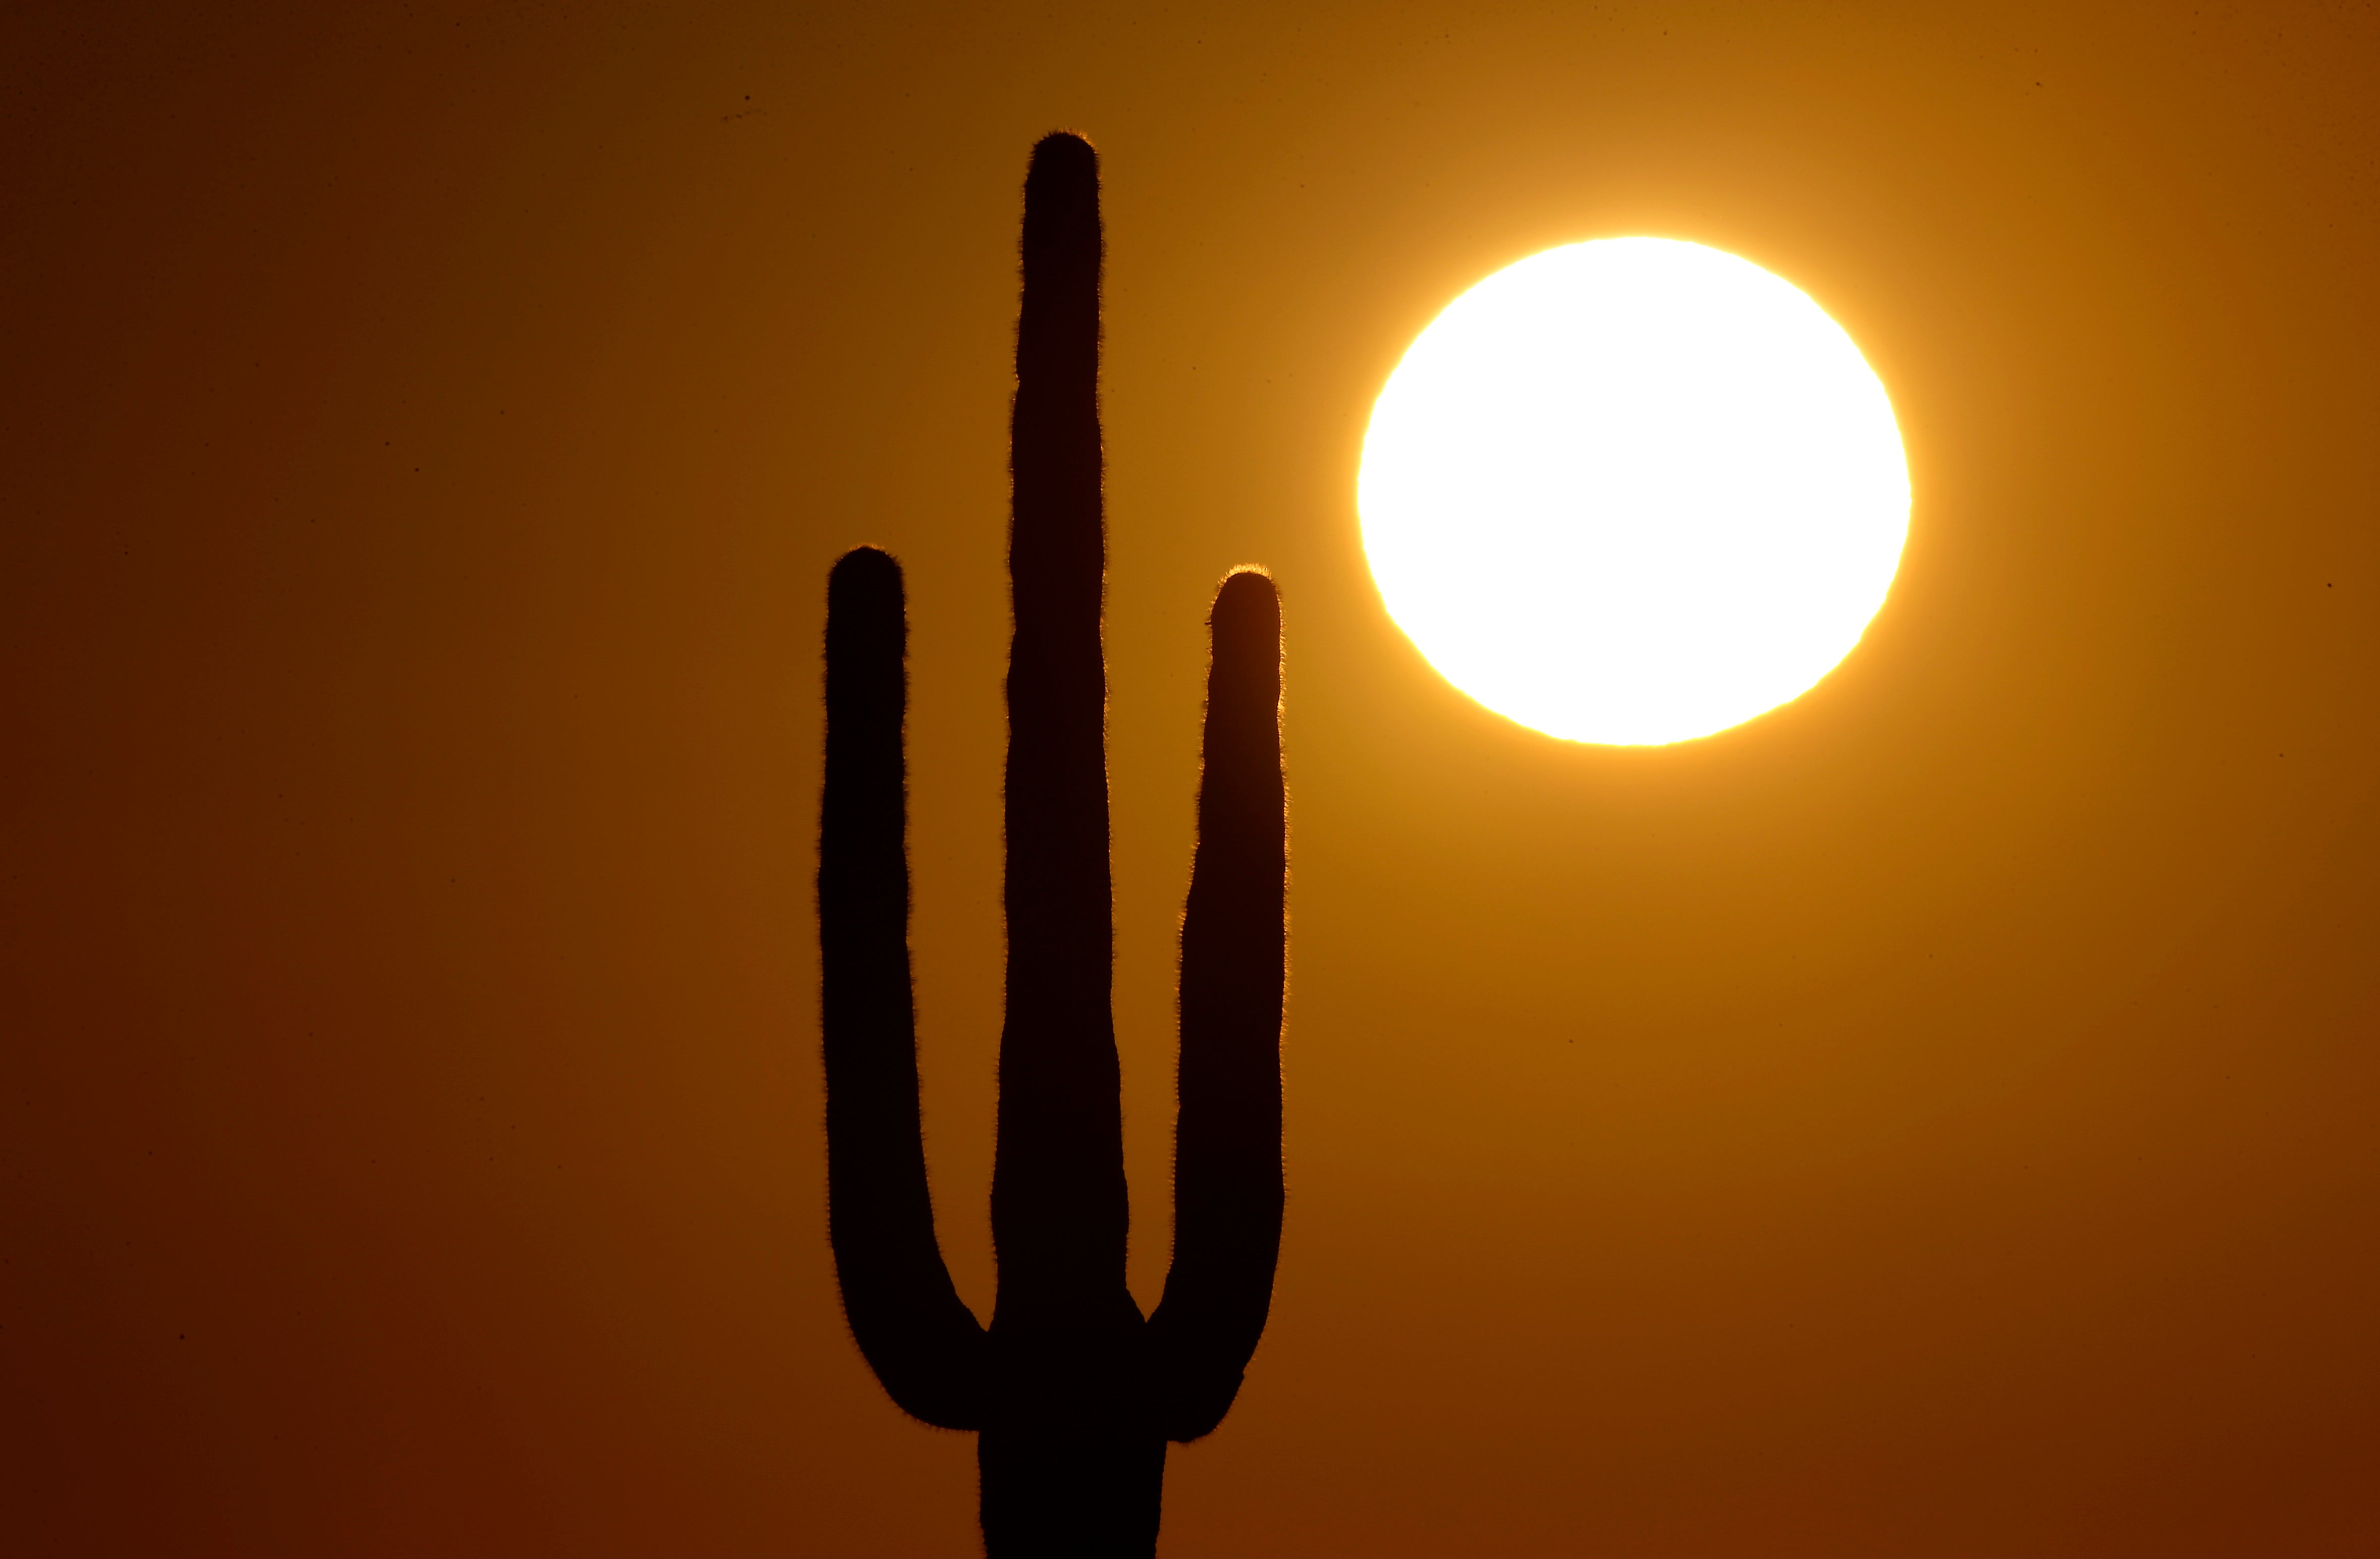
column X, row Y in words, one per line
column 1634, row 491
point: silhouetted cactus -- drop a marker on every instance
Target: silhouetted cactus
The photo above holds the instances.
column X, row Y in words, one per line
column 1072, row 1395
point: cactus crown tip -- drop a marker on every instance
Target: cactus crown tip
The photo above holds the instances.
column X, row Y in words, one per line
column 1071, row 144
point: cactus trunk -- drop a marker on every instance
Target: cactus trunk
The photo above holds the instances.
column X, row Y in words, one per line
column 1073, row 1394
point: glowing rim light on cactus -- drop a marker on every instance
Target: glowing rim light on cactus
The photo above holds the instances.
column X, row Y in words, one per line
column 1634, row 491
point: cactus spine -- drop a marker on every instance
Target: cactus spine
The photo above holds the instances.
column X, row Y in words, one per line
column 1072, row 1395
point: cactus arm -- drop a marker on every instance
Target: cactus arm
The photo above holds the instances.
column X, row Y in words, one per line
column 1059, row 1210
column 1227, row 1177
column 922, row 1342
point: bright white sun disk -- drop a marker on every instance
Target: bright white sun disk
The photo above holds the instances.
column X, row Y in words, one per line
column 1634, row 491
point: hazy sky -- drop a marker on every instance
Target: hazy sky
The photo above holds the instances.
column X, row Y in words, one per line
column 1939, row 1117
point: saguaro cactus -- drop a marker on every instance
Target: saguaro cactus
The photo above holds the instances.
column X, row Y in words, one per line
column 1072, row 1395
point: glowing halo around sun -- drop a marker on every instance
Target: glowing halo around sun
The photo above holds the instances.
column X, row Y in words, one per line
column 1634, row 491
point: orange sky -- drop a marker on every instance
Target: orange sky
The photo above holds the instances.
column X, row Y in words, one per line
column 1939, row 1117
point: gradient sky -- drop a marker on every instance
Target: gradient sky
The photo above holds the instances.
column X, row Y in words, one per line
column 1939, row 1117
